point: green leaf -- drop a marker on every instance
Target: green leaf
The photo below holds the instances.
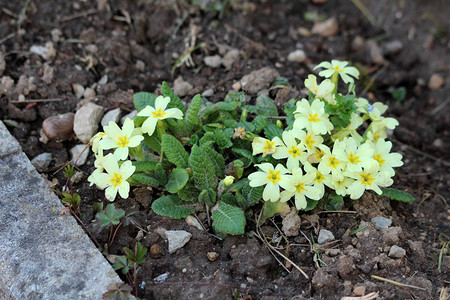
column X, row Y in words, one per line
column 229, row 199
column 272, row 131
column 229, row 219
column 220, row 106
column 171, row 206
column 160, row 174
column 144, row 166
column 216, row 158
column 174, row 151
column 111, row 215
column 252, row 195
column 152, row 143
column 142, row 99
column 340, row 113
column 260, row 123
column 175, row 101
column 266, row 106
column 398, row 195
column 207, row 197
column 145, row 179
column 189, row 193
column 206, row 138
column 223, row 137
column 310, row 204
column 203, row 169
column 334, row 202
column 175, row 126
column 246, row 154
column 289, row 109
column 237, row 98
column 177, row 180
column 191, row 118
column 122, row 263
column 273, row 208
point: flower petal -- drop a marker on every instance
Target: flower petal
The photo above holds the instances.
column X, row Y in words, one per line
column 149, row 126
column 161, row 102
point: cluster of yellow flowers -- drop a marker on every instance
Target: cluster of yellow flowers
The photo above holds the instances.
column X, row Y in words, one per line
column 108, row 174
column 349, row 163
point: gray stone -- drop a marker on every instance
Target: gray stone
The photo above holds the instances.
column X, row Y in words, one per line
column 298, row 56
column 213, row 61
column 44, row 254
column 325, row 236
column 381, row 222
column 208, row 93
column 79, row 154
column 230, row 57
column 291, row 223
column 112, row 115
column 42, row 161
column 181, row 88
column 9, row 144
column 86, row 121
column 130, row 115
column 177, row 239
column 258, row 80
column 396, row 252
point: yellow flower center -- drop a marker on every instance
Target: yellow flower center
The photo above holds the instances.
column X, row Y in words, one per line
column 116, row 179
column 274, row 176
column 333, row 162
column 313, row 118
column 319, row 177
column 123, row 141
column 337, row 69
column 300, row 187
column 353, row 159
column 158, row 114
column 101, row 134
column 366, row 179
column 309, row 141
column 294, row 152
column 269, row 147
column 376, row 136
column 319, row 154
column 379, row 160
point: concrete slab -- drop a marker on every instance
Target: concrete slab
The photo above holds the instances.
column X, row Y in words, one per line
column 43, row 255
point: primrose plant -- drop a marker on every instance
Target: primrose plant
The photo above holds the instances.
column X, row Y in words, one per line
column 224, row 157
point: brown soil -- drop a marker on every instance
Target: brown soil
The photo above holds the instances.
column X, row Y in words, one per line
column 128, row 33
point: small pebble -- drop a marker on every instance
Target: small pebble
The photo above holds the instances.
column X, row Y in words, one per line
column 181, row 87
column 327, row 28
column 42, row 161
column 79, row 154
column 396, row 252
column 86, row 121
column 130, row 115
column 177, row 239
column 213, row 61
column 208, row 93
column 298, row 56
column 156, row 251
column 381, row 222
column 325, row 236
column 59, row 127
column 192, row 221
column 435, row 82
column 359, row 290
column 111, row 116
column 212, row 256
column 230, row 57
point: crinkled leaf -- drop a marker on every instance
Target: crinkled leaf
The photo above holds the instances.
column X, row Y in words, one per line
column 246, row 154
column 249, row 127
column 334, row 202
column 143, row 166
column 273, row 208
column 310, row 204
column 160, row 174
column 229, row 199
column 266, row 106
column 216, row 158
column 152, row 143
column 202, row 168
column 171, row 206
column 175, row 101
column 177, row 180
column 189, row 193
column 206, row 138
column 229, row 219
column 220, row 106
column 207, row 197
column 289, row 109
column 251, row 195
column 191, row 118
column 398, row 195
column 223, row 137
column 260, row 123
column 237, row 98
column 146, row 179
column 340, row 113
column 175, row 126
column 174, row 151
column 272, row 131
column 143, row 99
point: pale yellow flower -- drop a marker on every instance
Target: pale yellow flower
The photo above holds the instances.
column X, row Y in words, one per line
column 159, row 112
column 301, row 186
column 312, row 117
column 367, row 179
column 340, row 67
column 292, row 150
column 264, row 146
column 323, row 91
column 272, row 178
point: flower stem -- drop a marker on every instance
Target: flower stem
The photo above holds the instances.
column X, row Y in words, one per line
column 334, row 80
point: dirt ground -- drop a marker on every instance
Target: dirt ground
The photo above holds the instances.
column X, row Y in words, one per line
column 403, row 46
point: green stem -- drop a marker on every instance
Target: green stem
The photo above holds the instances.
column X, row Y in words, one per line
column 244, row 115
column 334, row 80
column 160, row 129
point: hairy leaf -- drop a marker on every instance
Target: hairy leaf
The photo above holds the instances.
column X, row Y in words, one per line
column 251, row 195
column 229, row 219
column 171, row 206
column 216, row 158
column 246, row 154
column 160, row 174
column 272, row 131
column 398, row 195
column 174, row 151
column 142, row 99
column 260, row 123
column 189, row 193
column 152, row 143
column 229, row 198
column 191, row 118
column 289, row 109
column 177, row 180
column 223, row 137
column 207, row 197
column 145, row 179
column 341, row 112
column 220, row 106
column 266, row 106
column 237, row 98
column 143, row 166
column 202, row 168
column 207, row 138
